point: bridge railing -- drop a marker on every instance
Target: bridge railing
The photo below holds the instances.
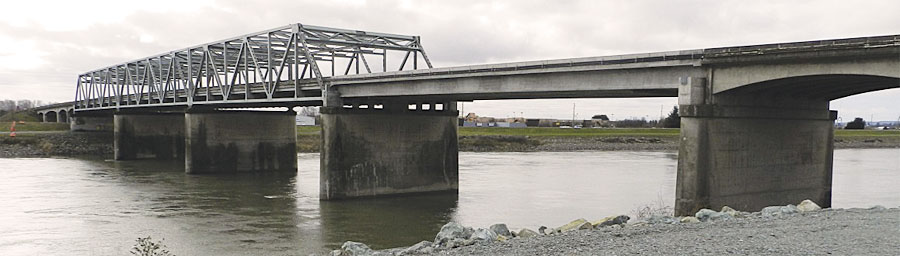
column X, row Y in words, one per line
column 280, row 63
column 818, row 45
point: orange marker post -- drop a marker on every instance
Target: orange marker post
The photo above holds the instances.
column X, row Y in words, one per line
column 12, row 130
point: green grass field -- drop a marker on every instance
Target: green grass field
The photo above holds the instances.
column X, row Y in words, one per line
column 866, row 133
column 34, row 126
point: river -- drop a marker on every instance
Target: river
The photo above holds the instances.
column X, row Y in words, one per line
column 83, row 206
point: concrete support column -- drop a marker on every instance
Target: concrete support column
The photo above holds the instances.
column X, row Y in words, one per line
column 385, row 148
column 240, row 141
column 149, row 135
column 749, row 152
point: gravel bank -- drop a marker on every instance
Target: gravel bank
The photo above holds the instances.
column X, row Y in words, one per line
column 838, row 232
column 44, row 144
column 874, row 231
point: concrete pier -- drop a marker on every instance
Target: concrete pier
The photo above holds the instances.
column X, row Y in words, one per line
column 240, row 141
column 149, row 135
column 749, row 152
column 397, row 149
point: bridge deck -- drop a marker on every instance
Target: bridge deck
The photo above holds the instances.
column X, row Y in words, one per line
column 280, row 67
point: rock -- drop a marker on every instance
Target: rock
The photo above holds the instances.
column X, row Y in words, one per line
column 729, row 211
column 552, row 231
column 808, row 206
column 451, row 231
column 690, row 219
column 542, row 230
column 502, row 238
column 635, row 223
column 484, row 236
column 527, row 233
column 351, row 248
column 500, row 229
column 585, row 225
column 574, row 225
column 710, row 215
column 877, row 208
column 388, row 252
column 457, row 242
column 337, row 252
column 611, row 220
column 661, row 219
column 418, row 248
column 773, row 211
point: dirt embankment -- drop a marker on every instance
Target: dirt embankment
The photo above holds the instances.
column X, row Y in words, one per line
column 44, row 144
column 501, row 143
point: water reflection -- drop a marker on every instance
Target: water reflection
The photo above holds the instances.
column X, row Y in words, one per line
column 386, row 222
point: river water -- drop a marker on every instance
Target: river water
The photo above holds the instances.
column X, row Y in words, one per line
column 52, row 206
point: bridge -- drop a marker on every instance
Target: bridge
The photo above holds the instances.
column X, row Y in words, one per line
column 756, row 124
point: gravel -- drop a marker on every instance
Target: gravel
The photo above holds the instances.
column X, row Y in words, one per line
column 831, row 231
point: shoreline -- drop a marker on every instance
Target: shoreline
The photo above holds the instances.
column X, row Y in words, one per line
column 804, row 229
column 65, row 143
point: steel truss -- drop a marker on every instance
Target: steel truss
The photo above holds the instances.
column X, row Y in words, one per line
column 277, row 65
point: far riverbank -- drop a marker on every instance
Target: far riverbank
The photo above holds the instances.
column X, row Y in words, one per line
column 47, row 142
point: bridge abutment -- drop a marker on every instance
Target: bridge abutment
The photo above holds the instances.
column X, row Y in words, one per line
column 750, row 151
column 388, row 149
column 240, row 141
column 149, row 135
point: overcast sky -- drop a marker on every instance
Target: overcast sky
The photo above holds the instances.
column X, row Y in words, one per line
column 45, row 44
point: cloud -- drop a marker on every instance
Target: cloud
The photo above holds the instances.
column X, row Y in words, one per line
column 74, row 38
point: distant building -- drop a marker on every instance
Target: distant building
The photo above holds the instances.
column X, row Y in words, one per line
column 600, row 121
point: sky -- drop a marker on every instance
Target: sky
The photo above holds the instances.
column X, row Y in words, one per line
column 44, row 45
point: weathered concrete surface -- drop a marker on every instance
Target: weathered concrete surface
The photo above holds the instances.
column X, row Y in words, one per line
column 749, row 152
column 240, row 141
column 149, row 135
column 610, row 81
column 390, row 151
column 86, row 123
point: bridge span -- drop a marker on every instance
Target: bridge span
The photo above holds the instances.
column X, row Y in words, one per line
column 756, row 124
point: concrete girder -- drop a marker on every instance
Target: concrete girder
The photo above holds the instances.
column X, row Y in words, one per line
column 637, row 82
column 725, row 78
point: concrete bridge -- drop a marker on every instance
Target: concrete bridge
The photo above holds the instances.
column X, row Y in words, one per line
column 756, row 124
column 55, row 113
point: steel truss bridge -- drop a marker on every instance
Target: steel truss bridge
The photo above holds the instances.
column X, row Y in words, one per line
column 284, row 64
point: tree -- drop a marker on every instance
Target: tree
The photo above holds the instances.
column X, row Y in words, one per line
column 309, row 111
column 673, row 120
column 858, row 124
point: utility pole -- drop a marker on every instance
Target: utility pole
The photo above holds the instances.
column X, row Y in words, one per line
column 660, row 112
column 573, row 115
column 463, row 109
